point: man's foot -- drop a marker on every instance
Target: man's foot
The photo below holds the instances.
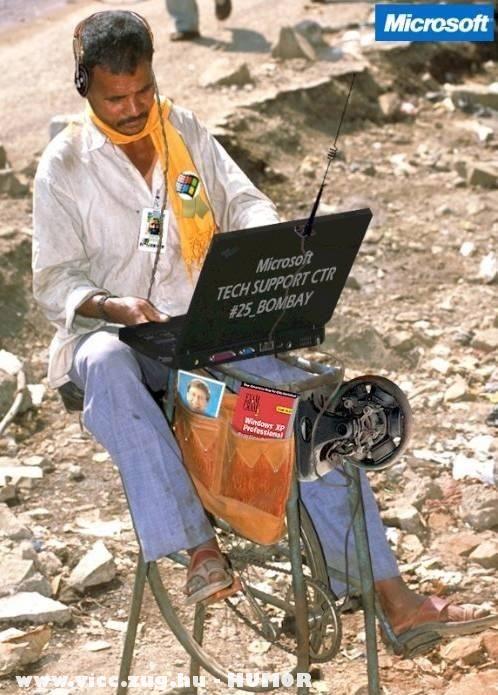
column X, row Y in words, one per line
column 223, row 9
column 207, row 574
column 184, row 36
column 443, row 617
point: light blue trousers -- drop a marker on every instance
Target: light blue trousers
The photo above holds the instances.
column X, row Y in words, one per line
column 184, row 13
column 167, row 514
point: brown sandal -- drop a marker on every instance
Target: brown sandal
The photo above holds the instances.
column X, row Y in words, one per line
column 207, row 574
column 432, row 621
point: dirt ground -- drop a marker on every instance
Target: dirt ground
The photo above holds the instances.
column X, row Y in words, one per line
column 410, row 279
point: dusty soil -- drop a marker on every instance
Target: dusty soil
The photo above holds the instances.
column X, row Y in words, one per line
column 410, row 276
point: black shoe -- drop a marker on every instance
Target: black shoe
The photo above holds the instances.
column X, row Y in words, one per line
column 223, row 9
column 184, row 36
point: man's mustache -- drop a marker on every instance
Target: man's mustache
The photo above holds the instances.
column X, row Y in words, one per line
column 135, row 119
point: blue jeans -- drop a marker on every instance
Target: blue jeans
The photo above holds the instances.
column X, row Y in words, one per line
column 167, row 514
column 185, row 14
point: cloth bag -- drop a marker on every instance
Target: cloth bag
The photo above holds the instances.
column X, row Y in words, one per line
column 244, row 480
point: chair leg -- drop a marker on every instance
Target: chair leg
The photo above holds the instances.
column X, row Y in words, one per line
column 366, row 577
column 131, row 630
column 298, row 585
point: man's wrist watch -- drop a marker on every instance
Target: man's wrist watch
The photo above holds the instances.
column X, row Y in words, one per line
column 100, row 304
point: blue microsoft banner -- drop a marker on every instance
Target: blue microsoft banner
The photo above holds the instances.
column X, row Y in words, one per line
column 434, row 22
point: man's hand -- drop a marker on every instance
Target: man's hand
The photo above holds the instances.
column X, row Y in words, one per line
column 125, row 310
column 132, row 310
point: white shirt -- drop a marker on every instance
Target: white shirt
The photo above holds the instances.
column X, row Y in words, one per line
column 88, row 202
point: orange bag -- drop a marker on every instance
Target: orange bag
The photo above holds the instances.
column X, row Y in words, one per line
column 244, row 480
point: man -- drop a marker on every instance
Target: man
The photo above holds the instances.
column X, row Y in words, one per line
column 198, row 395
column 185, row 15
column 96, row 184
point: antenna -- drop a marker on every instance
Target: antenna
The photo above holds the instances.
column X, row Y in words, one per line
column 307, row 230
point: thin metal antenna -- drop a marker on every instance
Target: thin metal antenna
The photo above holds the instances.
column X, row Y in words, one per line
column 307, row 230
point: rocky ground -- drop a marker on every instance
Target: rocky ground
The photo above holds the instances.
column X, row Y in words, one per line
column 419, row 147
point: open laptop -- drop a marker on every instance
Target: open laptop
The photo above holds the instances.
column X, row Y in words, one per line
column 260, row 291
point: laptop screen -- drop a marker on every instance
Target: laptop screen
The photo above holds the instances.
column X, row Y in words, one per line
column 251, row 276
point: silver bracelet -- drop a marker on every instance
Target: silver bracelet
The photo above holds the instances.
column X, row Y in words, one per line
column 100, row 305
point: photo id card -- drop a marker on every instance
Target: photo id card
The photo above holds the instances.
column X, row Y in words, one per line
column 150, row 228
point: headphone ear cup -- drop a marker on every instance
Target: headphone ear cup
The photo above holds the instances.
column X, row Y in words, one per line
column 82, row 80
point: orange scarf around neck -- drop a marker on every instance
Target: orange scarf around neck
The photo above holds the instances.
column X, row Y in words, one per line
column 188, row 197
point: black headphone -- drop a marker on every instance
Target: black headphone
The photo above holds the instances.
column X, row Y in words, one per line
column 81, row 72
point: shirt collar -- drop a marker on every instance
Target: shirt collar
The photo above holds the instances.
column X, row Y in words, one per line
column 93, row 138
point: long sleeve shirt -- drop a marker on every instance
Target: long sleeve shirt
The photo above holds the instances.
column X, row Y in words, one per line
column 88, row 203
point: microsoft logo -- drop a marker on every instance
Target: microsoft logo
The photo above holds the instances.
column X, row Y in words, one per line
column 434, row 22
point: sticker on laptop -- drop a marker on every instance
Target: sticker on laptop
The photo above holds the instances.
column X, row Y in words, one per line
column 200, row 394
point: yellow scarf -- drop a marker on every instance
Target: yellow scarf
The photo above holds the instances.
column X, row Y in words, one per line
column 188, row 197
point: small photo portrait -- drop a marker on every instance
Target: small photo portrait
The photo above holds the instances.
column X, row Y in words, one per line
column 154, row 224
column 200, row 394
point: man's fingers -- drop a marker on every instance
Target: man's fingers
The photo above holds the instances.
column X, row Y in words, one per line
column 154, row 314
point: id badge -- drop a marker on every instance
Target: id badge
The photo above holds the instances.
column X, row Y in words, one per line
column 150, row 228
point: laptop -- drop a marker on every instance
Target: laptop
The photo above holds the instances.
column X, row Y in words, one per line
column 260, row 291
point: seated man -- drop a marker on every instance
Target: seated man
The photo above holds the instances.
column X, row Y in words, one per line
column 97, row 187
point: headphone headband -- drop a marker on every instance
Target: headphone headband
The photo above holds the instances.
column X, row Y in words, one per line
column 81, row 72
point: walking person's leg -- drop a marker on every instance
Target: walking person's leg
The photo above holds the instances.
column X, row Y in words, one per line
column 185, row 16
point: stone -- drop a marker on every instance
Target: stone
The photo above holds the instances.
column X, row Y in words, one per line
column 479, row 506
column 291, row 44
column 10, row 526
column 475, row 95
column 390, row 105
column 3, row 158
column 37, row 393
column 490, row 644
column 39, row 461
column 486, row 340
column 486, row 554
column 404, row 516
column 19, row 648
column 488, row 268
column 458, row 391
column 10, row 184
column 438, row 364
column 18, row 475
column 96, row 567
column 34, row 608
column 48, row 563
column 467, row 650
column 8, row 388
column 483, row 683
column 9, row 363
column 412, row 547
column 75, row 473
column 14, row 571
column 8, row 492
column 484, row 175
column 226, row 72
column 459, row 544
column 403, row 341
column 419, row 490
column 467, row 249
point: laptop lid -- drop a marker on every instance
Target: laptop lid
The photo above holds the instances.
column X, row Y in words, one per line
column 251, row 276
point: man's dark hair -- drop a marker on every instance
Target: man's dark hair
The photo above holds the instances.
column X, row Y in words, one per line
column 201, row 385
column 117, row 41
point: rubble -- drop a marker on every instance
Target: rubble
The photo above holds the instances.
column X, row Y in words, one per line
column 293, row 44
column 19, row 648
column 486, row 554
column 226, row 72
column 467, row 650
column 34, row 608
column 483, row 174
column 474, row 95
column 479, row 506
column 10, row 526
column 488, row 268
column 96, row 567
